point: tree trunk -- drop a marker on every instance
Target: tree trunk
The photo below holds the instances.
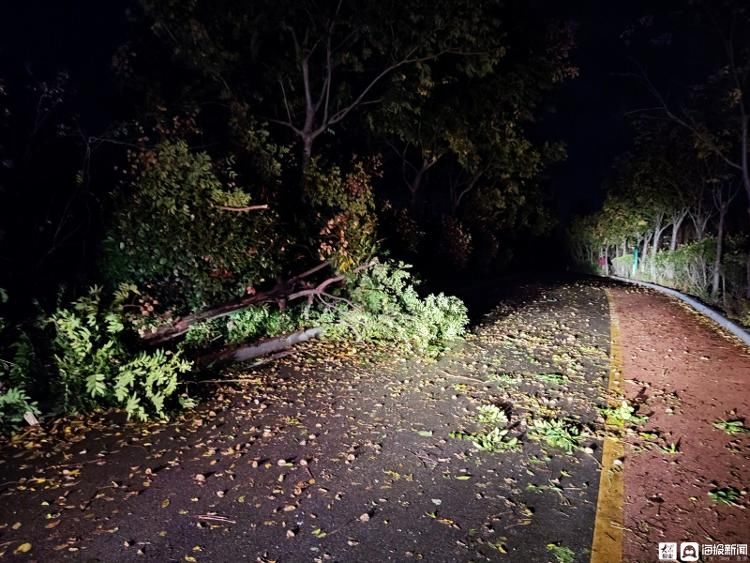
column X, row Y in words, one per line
column 644, row 251
column 655, row 248
column 307, row 145
column 745, row 165
column 606, row 260
column 414, row 188
column 719, row 249
column 246, row 352
column 723, row 196
column 676, row 224
column 700, row 223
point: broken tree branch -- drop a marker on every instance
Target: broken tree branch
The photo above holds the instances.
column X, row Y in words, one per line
column 242, row 209
column 284, row 291
column 259, row 348
column 180, row 326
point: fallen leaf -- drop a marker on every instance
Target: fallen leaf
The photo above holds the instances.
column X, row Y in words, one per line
column 23, row 548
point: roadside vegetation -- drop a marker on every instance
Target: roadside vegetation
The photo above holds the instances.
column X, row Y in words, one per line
column 676, row 204
column 266, row 180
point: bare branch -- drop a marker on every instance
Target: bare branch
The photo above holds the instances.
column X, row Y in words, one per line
column 342, row 113
column 306, row 83
column 325, row 92
column 286, row 101
column 181, row 326
column 244, row 209
column 285, row 124
column 319, row 289
column 685, row 120
column 473, row 182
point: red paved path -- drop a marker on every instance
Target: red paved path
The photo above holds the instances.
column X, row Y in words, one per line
column 685, row 375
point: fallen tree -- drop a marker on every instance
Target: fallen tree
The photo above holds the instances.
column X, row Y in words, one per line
column 248, row 351
column 296, row 287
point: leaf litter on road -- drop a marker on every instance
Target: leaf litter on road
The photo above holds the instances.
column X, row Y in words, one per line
column 299, row 450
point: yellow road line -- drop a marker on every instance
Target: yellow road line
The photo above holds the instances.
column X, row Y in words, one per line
column 608, row 525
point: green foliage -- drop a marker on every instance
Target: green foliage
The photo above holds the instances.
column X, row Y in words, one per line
column 561, row 553
column 15, row 368
column 200, row 335
column 732, row 427
column 622, row 415
column 672, row 448
column 384, row 306
column 556, row 432
column 247, row 324
column 18, row 369
column 553, row 378
column 491, row 440
column 725, row 495
column 345, row 208
column 494, row 436
column 14, row 404
column 255, row 322
column 622, row 265
column 172, row 238
column 495, row 440
column 688, row 268
column 492, row 414
column 95, row 370
column 14, row 385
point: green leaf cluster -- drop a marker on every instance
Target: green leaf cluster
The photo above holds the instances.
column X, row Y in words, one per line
column 556, row 432
column 171, row 237
column 95, row 370
column 240, row 326
column 730, row 496
column 16, row 361
column 623, row 414
column 383, row 305
column 344, row 207
column 494, row 437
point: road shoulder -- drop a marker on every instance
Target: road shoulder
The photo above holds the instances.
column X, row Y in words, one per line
column 686, row 377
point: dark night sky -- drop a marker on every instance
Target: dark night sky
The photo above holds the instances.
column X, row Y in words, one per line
column 39, row 37
column 42, row 37
column 591, row 110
